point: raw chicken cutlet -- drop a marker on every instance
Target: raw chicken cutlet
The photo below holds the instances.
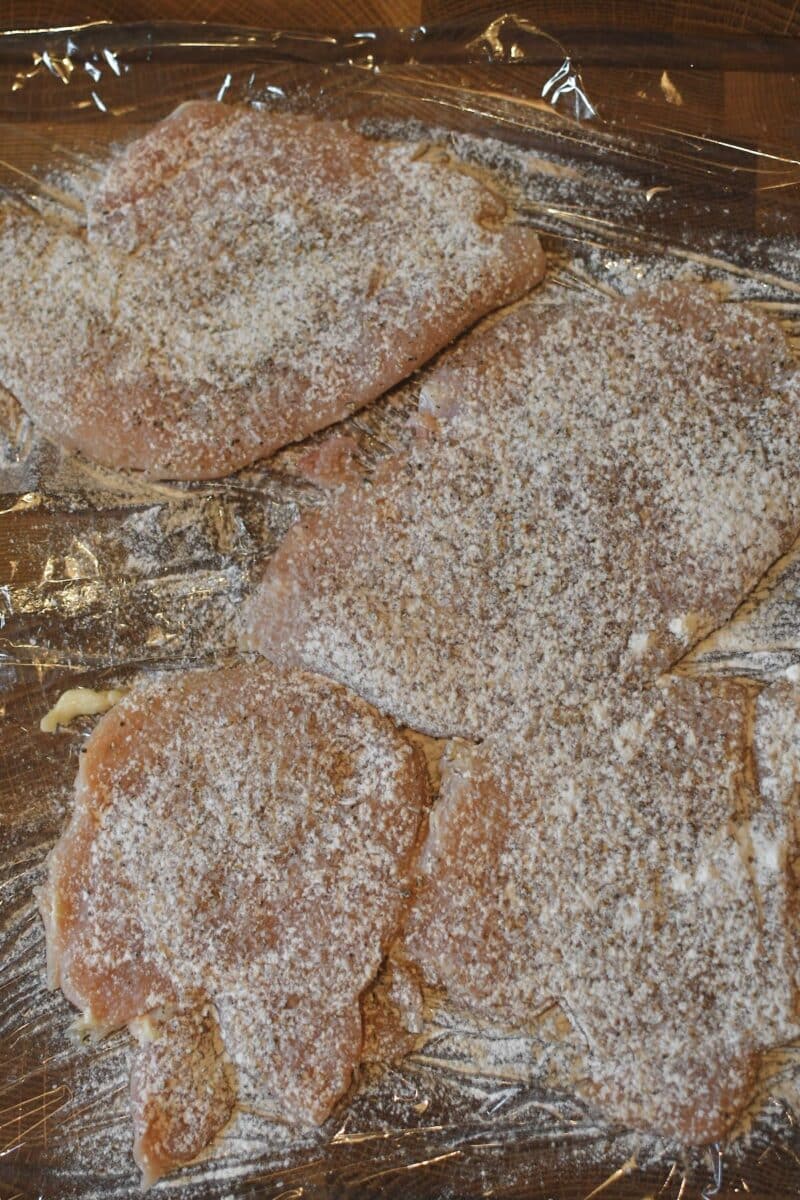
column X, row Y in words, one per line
column 595, row 486
column 233, row 870
column 624, row 860
column 244, row 279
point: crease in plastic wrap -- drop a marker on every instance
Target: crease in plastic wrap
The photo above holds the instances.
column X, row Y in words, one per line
column 631, row 176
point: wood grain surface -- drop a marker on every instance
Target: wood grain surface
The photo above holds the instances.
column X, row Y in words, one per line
column 735, row 63
column 667, row 16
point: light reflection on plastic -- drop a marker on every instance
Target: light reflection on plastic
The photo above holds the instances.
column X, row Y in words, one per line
column 5, row 597
column 561, row 85
column 21, row 78
column 112, row 61
column 567, row 81
column 25, row 502
column 715, row 1187
column 62, row 68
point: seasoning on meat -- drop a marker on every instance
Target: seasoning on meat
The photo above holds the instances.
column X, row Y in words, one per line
column 245, row 278
column 235, row 865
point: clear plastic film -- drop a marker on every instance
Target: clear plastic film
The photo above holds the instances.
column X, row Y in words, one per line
column 637, row 160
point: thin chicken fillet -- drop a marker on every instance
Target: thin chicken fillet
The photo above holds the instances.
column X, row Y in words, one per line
column 631, row 861
column 233, row 870
column 244, row 279
column 595, row 486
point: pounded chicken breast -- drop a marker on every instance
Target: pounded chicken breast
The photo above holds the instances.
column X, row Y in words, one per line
column 245, row 278
column 235, row 865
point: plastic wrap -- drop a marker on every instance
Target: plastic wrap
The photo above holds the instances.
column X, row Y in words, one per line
column 657, row 158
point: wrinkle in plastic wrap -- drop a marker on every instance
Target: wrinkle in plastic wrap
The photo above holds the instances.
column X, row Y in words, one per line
column 631, row 177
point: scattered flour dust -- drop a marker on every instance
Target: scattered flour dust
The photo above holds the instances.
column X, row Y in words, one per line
column 236, row 864
column 569, row 454
column 111, row 1142
column 583, row 502
column 245, row 278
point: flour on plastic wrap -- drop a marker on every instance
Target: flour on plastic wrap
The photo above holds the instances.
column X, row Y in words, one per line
column 171, row 566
